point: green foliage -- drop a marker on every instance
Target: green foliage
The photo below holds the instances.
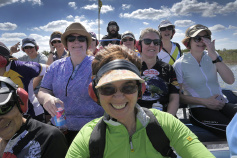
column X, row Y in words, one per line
column 45, row 53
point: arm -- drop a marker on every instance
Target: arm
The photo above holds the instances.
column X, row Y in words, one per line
column 50, row 59
column 36, row 81
column 15, row 48
column 173, row 104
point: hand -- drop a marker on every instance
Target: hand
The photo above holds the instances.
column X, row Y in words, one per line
column 50, row 105
column 213, row 103
column 210, row 47
column 15, row 48
column 52, row 48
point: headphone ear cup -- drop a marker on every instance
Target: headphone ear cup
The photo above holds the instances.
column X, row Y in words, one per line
column 3, row 61
column 121, row 43
column 142, row 90
column 36, row 48
column 97, row 42
column 92, row 92
column 22, row 49
column 22, row 99
column 139, row 45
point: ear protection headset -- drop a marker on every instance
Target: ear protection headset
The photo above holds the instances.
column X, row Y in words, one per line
column 4, row 55
column 113, row 65
column 3, row 61
column 20, row 96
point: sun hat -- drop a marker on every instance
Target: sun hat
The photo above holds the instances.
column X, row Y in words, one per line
column 165, row 23
column 28, row 42
column 127, row 34
column 78, row 28
column 93, row 35
column 196, row 29
column 4, row 51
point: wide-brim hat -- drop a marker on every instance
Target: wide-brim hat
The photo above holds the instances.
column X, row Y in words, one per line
column 118, row 75
column 78, row 28
column 196, row 29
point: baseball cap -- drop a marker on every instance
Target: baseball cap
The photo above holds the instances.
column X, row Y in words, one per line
column 28, row 42
column 165, row 23
column 55, row 37
column 93, row 35
column 128, row 34
column 196, row 29
column 4, row 51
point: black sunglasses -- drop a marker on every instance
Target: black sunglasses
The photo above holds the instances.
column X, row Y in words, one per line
column 56, row 41
column 168, row 27
column 128, row 88
column 79, row 38
column 199, row 38
column 148, row 41
column 4, row 109
column 28, row 47
column 125, row 40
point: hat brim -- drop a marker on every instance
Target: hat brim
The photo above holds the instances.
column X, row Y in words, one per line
column 165, row 25
column 128, row 36
column 198, row 31
column 28, row 44
column 54, row 39
column 78, row 31
column 118, row 75
column 5, row 97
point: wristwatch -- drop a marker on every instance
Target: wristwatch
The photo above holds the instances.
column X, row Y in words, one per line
column 218, row 59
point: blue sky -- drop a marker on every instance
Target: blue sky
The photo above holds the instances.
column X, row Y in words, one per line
column 39, row 18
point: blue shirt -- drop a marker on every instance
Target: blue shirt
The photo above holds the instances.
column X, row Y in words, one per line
column 71, row 86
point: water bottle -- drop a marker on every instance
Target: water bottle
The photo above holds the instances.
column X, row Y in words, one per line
column 59, row 119
column 157, row 106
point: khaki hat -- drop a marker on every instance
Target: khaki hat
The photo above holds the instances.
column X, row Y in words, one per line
column 196, row 29
column 76, row 27
column 118, row 75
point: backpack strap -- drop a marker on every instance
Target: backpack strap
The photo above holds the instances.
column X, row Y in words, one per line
column 97, row 140
column 181, row 53
column 157, row 136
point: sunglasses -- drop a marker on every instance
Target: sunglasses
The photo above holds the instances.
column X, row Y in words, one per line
column 28, row 47
column 4, row 109
column 148, row 41
column 79, row 38
column 125, row 40
column 112, row 26
column 168, row 27
column 199, row 38
column 128, row 88
column 56, row 41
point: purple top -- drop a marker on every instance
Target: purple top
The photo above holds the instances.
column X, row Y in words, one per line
column 71, row 86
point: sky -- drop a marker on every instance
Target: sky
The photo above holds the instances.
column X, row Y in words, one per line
column 39, row 18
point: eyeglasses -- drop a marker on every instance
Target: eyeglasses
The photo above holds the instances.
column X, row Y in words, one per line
column 28, row 47
column 125, row 40
column 93, row 39
column 148, row 41
column 199, row 38
column 128, row 88
column 79, row 38
column 4, row 109
column 112, row 26
column 56, row 41
column 168, row 27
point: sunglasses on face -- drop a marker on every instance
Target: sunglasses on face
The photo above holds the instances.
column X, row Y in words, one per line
column 112, row 26
column 128, row 88
column 199, row 38
column 28, row 47
column 129, row 39
column 56, row 41
column 168, row 27
column 4, row 109
column 79, row 38
column 148, row 41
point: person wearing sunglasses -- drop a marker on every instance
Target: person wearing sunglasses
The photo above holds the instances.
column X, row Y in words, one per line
column 25, row 137
column 93, row 47
column 197, row 76
column 67, row 80
column 23, row 73
column 162, row 86
column 113, row 33
column 128, row 39
column 170, row 51
column 116, row 86
column 55, row 43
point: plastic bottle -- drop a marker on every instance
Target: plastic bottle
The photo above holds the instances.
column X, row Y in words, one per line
column 157, row 106
column 60, row 119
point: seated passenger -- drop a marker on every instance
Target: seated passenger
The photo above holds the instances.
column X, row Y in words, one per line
column 128, row 39
column 20, row 137
column 197, row 76
column 94, row 43
column 161, row 83
column 231, row 135
column 116, row 87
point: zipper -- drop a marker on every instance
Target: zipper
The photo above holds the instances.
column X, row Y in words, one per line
column 130, row 142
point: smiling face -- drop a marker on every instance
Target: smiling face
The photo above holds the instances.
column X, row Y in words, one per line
column 57, row 45
column 77, row 48
column 198, row 46
column 119, row 105
column 30, row 51
column 151, row 50
column 129, row 42
column 167, row 34
column 10, row 123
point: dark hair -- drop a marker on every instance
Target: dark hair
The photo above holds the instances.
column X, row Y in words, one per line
column 113, row 52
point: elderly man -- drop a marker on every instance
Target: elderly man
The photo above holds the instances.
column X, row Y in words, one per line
column 21, row 137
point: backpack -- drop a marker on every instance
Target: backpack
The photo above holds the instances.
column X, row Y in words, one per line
column 154, row 132
column 177, row 45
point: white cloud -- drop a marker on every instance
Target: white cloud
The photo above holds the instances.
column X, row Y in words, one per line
column 59, row 25
column 72, row 4
column 217, row 28
column 9, row 2
column 184, row 23
column 7, row 26
column 69, row 17
column 145, row 23
column 104, row 8
column 235, row 34
column 13, row 35
column 126, row 6
column 232, row 27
